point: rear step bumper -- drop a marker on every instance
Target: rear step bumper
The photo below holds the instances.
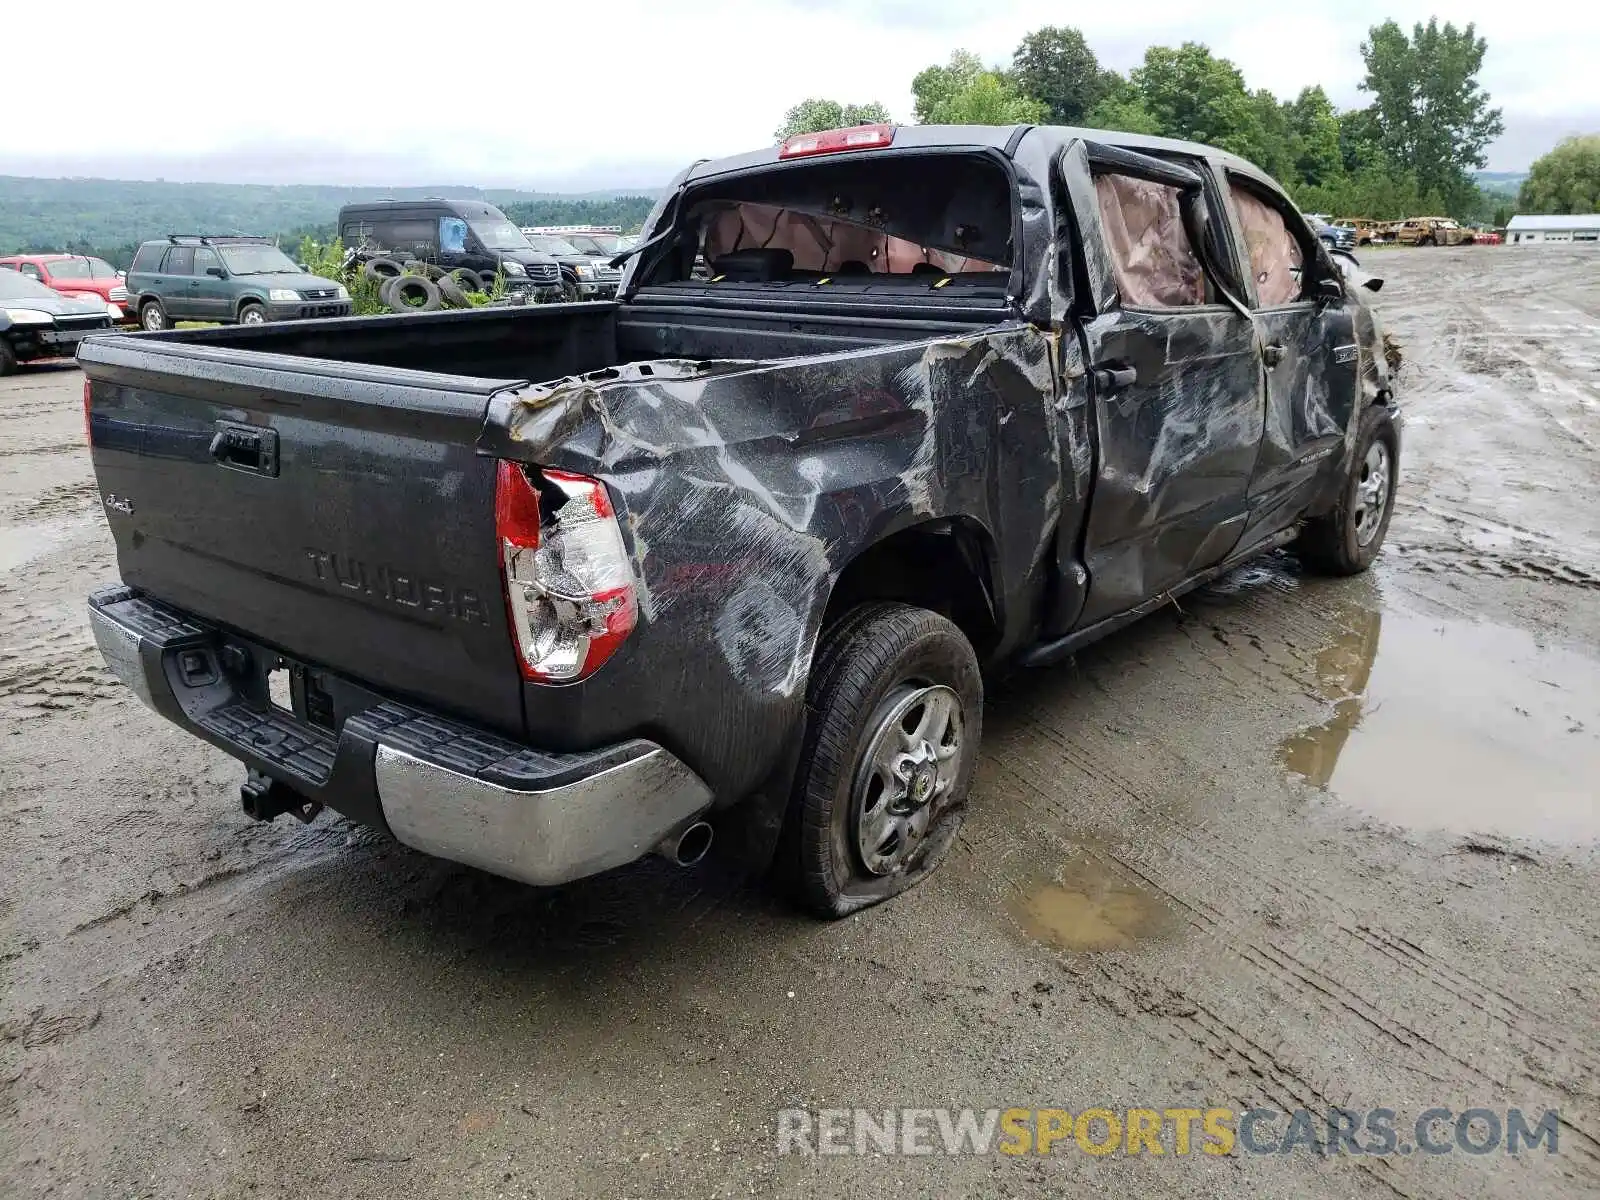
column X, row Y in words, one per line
column 438, row 785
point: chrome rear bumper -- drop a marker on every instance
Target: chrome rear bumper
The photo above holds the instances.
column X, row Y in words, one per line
column 437, row 784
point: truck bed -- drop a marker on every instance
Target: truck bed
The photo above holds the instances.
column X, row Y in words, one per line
column 350, row 519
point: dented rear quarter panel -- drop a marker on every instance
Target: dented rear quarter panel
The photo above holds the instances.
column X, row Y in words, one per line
column 744, row 488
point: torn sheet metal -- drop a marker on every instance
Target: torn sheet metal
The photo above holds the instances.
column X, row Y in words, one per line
column 744, row 489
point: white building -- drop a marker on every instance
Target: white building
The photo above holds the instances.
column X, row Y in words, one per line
column 1580, row 228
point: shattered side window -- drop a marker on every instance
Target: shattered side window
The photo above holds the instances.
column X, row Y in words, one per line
column 1276, row 259
column 1151, row 257
column 826, row 244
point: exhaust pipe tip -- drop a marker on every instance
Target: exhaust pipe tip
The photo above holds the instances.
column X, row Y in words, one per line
column 688, row 845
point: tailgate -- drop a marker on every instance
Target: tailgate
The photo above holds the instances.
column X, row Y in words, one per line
column 338, row 512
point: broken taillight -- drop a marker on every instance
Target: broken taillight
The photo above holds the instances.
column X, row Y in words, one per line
column 832, row 141
column 569, row 586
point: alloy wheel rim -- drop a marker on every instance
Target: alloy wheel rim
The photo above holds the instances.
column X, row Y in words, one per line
column 907, row 773
column 1372, row 492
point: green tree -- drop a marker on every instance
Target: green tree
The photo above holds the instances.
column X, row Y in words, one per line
column 1314, row 132
column 1190, row 93
column 1273, row 146
column 1055, row 66
column 1122, row 109
column 1360, row 140
column 1567, row 180
column 935, row 85
column 1431, row 115
column 965, row 92
column 816, row 114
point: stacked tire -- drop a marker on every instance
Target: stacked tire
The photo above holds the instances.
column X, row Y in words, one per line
column 414, row 286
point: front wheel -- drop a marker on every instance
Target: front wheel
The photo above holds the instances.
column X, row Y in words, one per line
column 252, row 314
column 1345, row 540
column 8, row 358
column 896, row 711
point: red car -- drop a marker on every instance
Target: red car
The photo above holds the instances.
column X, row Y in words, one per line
column 75, row 275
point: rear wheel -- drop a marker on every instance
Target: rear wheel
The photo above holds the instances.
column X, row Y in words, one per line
column 1345, row 540
column 153, row 317
column 8, row 358
column 896, row 711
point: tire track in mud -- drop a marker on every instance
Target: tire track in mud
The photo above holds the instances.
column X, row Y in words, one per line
column 1423, row 1036
column 44, row 676
column 63, row 499
column 1230, row 871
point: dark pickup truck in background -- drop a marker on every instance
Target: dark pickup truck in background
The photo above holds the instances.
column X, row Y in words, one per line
column 541, row 589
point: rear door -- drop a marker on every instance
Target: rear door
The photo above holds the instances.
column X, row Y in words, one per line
column 208, row 293
column 1309, row 351
column 177, row 285
column 1175, row 380
column 337, row 512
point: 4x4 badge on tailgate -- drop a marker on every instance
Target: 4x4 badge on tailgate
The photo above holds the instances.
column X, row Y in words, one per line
column 121, row 503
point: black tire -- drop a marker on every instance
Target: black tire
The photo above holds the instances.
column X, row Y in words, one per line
column 381, row 269
column 384, row 288
column 1333, row 543
column 417, row 287
column 452, row 292
column 469, row 280
column 569, row 293
column 415, row 266
column 876, row 660
column 253, row 312
column 8, row 358
column 153, row 317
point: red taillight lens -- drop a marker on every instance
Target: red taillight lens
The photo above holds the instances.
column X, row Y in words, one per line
column 88, row 438
column 569, row 586
column 832, row 141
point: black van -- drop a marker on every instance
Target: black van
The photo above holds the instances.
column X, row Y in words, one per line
column 452, row 233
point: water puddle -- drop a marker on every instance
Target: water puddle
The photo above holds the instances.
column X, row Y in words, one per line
column 1461, row 726
column 1088, row 908
column 22, row 544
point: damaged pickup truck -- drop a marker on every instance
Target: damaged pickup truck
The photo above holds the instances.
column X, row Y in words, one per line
column 542, row 589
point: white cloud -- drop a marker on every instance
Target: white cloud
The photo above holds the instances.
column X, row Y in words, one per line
column 544, row 95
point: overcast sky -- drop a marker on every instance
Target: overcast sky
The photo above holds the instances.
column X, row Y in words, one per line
column 567, row 96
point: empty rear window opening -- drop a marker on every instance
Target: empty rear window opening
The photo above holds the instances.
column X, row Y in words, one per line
column 883, row 219
column 787, row 240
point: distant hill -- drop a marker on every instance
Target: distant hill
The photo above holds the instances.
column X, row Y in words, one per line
column 1500, row 183
column 111, row 216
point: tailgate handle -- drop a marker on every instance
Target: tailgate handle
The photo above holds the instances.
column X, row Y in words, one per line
column 246, row 448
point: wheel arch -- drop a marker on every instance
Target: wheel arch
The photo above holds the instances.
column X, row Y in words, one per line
column 946, row 565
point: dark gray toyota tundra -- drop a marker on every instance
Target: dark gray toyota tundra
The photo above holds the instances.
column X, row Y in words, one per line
column 541, row 589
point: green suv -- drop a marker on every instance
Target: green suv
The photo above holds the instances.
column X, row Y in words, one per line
column 229, row 279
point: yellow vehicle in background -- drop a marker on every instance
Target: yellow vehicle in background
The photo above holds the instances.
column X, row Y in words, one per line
column 1429, row 231
column 1367, row 231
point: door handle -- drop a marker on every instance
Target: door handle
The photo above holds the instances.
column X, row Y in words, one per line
column 1272, row 355
column 1113, row 377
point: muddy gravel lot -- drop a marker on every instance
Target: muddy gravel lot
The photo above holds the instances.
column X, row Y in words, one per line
column 1296, row 844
